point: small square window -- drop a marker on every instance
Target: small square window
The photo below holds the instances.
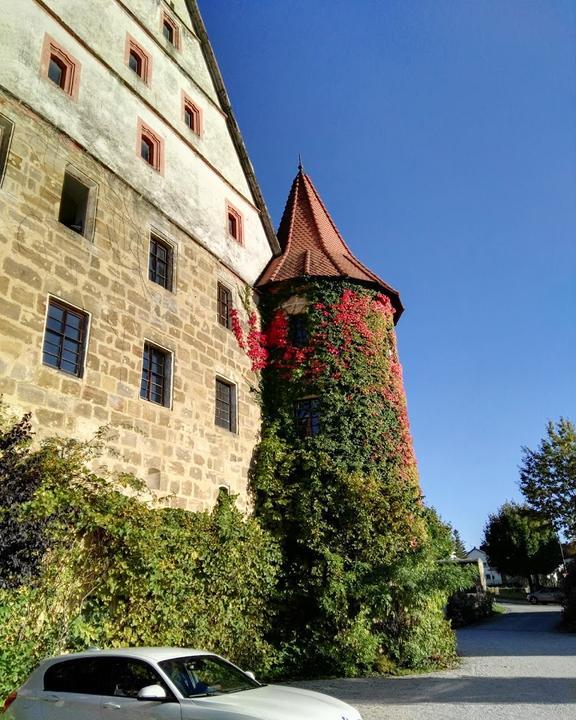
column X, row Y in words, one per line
column 150, row 147
column 160, row 262
column 192, row 115
column 156, row 375
column 137, row 59
column 60, row 67
column 78, row 204
column 225, row 405
column 234, row 224
column 170, row 30
column 224, row 305
column 308, row 417
column 65, row 338
column 6, row 130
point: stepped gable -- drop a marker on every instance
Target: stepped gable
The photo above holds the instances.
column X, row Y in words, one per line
column 312, row 246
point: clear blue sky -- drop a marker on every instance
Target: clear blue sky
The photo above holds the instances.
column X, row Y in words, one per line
column 441, row 134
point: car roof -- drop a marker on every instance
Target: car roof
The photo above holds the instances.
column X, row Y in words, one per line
column 155, row 654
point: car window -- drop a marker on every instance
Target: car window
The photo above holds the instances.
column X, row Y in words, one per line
column 82, row 675
column 206, row 675
column 128, row 676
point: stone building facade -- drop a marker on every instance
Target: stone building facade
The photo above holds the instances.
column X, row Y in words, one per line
column 130, row 223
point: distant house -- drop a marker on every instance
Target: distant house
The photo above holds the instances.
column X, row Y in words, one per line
column 493, row 577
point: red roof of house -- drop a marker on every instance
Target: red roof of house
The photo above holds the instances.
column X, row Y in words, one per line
column 311, row 245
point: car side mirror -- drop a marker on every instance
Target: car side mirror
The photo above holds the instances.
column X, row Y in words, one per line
column 152, row 692
column 250, row 674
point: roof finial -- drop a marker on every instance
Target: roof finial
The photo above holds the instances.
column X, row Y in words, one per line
column 300, row 168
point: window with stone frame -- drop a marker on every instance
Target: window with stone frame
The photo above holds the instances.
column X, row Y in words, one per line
column 78, row 203
column 65, row 337
column 170, row 30
column 225, row 416
column 307, row 412
column 138, row 60
column 60, row 67
column 156, row 375
column 150, row 147
column 160, row 262
column 192, row 115
column 234, row 224
column 224, row 306
column 6, row 130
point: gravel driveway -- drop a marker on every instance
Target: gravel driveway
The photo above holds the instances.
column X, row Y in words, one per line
column 515, row 666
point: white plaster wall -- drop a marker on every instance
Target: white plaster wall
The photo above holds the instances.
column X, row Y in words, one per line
column 104, row 118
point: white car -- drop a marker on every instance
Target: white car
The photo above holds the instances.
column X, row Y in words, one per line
column 160, row 683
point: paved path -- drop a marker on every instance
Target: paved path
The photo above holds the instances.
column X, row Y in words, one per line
column 515, row 666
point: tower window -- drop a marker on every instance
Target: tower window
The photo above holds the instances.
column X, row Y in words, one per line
column 192, row 115
column 234, row 224
column 298, row 330
column 156, row 374
column 78, row 204
column 224, row 305
column 160, row 262
column 150, row 147
column 137, row 59
column 308, row 417
column 65, row 338
column 60, row 67
column 225, row 405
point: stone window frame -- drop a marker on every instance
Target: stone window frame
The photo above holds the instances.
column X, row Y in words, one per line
column 145, row 132
column 167, row 378
column 167, row 19
column 132, row 46
column 226, row 420
column 157, row 237
column 54, row 300
column 222, row 288
column 6, row 133
column 188, row 105
column 70, row 84
column 312, row 426
column 232, row 213
column 92, row 185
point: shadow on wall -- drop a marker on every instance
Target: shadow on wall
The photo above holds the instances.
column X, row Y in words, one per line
column 447, row 690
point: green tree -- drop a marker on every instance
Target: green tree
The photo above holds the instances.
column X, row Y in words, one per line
column 457, row 544
column 548, row 476
column 520, row 542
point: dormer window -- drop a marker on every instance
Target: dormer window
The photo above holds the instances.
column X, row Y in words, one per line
column 234, row 224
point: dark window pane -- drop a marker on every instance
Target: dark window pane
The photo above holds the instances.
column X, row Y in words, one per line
column 160, row 263
column 129, row 676
column 64, row 338
column 135, row 62
column 224, row 305
column 233, row 225
column 57, row 71
column 168, row 31
column 147, row 151
column 74, row 204
column 189, row 118
column 225, row 405
column 307, row 417
column 85, row 675
column 155, row 375
column 298, row 330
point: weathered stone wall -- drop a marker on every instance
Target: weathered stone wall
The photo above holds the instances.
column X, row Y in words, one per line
column 179, row 449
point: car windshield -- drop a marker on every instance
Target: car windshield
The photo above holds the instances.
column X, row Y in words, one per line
column 206, row 675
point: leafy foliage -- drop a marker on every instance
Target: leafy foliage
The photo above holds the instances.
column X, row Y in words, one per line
column 548, row 476
column 520, row 542
column 459, row 549
column 360, row 589
column 115, row 570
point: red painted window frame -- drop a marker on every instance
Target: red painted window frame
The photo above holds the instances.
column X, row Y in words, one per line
column 70, row 83
column 133, row 46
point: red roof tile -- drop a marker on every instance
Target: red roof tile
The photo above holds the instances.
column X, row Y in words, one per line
column 311, row 245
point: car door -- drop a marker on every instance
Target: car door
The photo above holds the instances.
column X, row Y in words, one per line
column 72, row 690
column 126, row 677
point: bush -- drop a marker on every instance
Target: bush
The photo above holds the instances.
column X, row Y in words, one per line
column 118, row 571
column 466, row 608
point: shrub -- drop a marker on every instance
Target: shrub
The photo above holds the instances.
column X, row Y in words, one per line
column 466, row 608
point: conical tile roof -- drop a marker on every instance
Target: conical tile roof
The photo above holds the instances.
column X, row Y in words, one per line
column 312, row 246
